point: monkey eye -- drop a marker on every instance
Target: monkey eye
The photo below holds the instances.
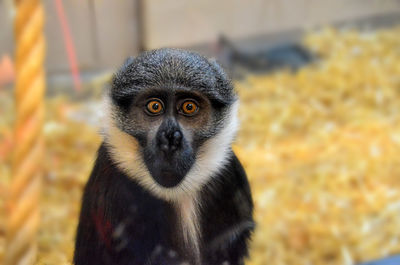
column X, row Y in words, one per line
column 155, row 107
column 189, row 107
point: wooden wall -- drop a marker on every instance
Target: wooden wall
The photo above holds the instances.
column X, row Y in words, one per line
column 107, row 31
column 104, row 32
column 186, row 22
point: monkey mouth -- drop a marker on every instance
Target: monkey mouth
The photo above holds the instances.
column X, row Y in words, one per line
column 168, row 168
column 167, row 178
column 168, row 172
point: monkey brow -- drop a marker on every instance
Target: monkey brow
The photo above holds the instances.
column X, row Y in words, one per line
column 156, row 92
column 171, row 90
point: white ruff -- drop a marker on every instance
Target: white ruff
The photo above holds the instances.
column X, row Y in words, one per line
column 211, row 158
column 187, row 211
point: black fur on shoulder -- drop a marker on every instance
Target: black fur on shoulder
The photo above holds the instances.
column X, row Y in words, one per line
column 121, row 223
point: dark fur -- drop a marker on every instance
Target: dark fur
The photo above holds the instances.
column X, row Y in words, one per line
column 150, row 235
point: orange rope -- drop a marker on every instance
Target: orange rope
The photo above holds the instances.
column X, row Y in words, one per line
column 23, row 200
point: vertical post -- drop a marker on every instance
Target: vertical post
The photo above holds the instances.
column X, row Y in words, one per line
column 24, row 193
column 140, row 16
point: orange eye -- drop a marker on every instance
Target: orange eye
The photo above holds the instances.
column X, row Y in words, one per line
column 154, row 106
column 189, row 107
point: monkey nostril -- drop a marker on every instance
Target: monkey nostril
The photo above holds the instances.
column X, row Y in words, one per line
column 164, row 139
column 163, row 142
column 177, row 137
column 170, row 141
column 176, row 140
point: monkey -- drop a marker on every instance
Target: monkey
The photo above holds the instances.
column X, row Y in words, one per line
column 166, row 187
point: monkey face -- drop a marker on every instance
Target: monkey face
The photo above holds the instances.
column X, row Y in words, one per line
column 169, row 124
column 173, row 118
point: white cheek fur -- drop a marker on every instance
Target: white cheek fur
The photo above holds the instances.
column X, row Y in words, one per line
column 211, row 158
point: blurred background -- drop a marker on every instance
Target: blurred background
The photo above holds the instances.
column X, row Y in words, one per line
column 319, row 83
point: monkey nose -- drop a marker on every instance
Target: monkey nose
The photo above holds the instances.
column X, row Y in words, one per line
column 171, row 141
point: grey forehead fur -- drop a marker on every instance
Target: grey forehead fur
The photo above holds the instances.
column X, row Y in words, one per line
column 172, row 68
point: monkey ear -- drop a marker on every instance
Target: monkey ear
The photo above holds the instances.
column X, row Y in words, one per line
column 218, row 69
column 128, row 61
column 117, row 93
column 224, row 93
column 213, row 62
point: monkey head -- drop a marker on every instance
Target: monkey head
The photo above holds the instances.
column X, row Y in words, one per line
column 171, row 120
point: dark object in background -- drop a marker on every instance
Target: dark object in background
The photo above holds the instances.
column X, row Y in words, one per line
column 388, row 261
column 166, row 187
column 286, row 56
